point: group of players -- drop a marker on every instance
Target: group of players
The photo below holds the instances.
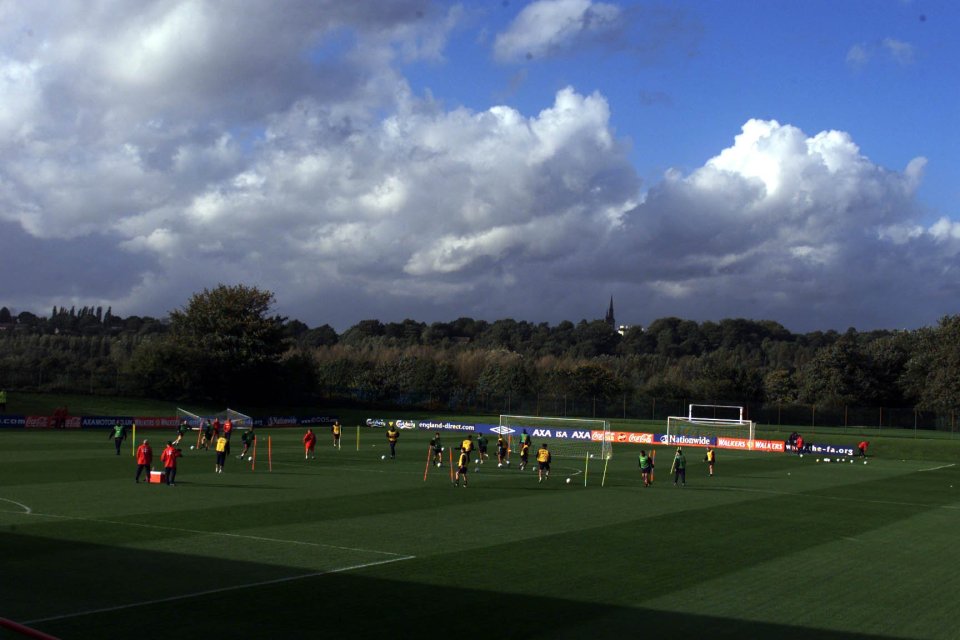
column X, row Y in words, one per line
column 467, row 447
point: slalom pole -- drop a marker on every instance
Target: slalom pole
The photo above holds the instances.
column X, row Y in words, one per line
column 270, row 454
column 603, row 480
column 133, row 441
column 653, row 456
column 427, row 468
column 586, row 468
column 358, row 437
column 450, row 452
column 253, row 466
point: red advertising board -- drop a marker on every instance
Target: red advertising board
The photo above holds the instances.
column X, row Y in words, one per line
column 626, row 437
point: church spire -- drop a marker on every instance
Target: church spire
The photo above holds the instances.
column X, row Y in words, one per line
column 610, row 320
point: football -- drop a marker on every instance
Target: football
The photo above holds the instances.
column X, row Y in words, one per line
column 568, row 480
column 383, row 457
column 249, row 458
column 499, row 465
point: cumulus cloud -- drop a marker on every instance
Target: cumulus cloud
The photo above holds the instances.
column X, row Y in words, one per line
column 784, row 224
column 150, row 150
column 900, row 52
column 546, row 27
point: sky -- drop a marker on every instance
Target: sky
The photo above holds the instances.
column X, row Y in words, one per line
column 765, row 159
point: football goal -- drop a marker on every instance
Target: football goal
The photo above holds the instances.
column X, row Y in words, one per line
column 193, row 420
column 239, row 420
column 567, row 437
column 712, row 420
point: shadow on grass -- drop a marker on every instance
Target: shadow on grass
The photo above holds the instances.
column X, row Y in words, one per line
column 78, row 590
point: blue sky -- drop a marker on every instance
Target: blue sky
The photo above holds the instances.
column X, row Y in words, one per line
column 795, row 162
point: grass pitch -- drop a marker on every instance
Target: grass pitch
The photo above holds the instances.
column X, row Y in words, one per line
column 350, row 545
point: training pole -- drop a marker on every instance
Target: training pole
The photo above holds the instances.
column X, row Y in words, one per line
column 603, row 480
column 427, row 468
column 653, row 456
column 270, row 454
column 586, row 468
column 450, row 451
column 133, row 442
column 253, row 465
column 358, row 437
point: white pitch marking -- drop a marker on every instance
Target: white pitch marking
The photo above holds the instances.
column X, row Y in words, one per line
column 218, row 533
column 25, row 508
column 943, row 466
column 207, row 592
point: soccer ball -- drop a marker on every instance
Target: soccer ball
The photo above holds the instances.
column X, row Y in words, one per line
column 249, row 458
column 383, row 457
column 591, row 455
column 801, row 455
column 499, row 465
column 438, row 465
column 851, row 462
column 568, row 480
column 191, row 447
column 477, row 461
column 508, row 463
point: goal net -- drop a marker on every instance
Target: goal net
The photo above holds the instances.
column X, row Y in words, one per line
column 567, row 437
column 711, row 420
column 239, row 420
column 193, row 420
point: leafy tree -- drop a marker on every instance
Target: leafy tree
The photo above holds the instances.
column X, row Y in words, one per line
column 932, row 374
column 228, row 339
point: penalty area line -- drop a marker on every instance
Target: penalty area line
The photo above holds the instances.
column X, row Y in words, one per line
column 943, row 466
column 207, row 592
column 25, row 508
column 224, row 534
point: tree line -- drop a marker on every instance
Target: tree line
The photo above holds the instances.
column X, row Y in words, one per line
column 226, row 344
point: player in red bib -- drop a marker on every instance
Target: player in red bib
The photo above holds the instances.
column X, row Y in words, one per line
column 309, row 444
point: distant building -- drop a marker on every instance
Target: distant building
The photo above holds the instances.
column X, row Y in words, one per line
column 622, row 329
column 610, row 319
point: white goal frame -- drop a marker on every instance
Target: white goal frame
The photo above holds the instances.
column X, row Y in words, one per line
column 734, row 427
column 563, row 447
column 193, row 420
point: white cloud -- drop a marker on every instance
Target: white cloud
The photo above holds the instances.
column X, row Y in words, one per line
column 546, row 27
column 901, row 52
column 858, row 56
column 287, row 150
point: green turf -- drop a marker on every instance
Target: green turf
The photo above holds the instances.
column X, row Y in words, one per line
column 349, row 545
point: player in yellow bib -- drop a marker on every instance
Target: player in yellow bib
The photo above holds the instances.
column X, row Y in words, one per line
column 335, row 429
column 543, row 462
column 463, row 466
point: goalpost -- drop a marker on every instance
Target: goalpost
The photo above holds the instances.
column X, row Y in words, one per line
column 239, row 420
column 575, row 439
column 193, row 420
column 712, row 420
